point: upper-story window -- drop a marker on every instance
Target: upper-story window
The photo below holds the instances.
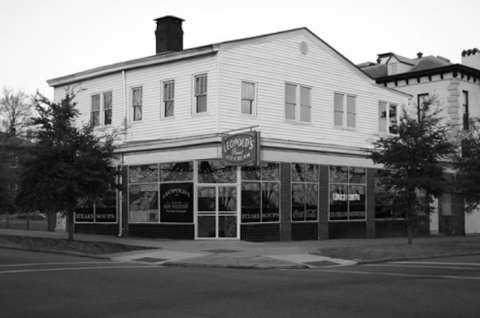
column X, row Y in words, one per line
column 95, row 114
column 393, row 68
column 200, row 93
column 13, row 160
column 465, row 110
column 345, row 110
column 248, row 98
column 422, row 98
column 107, row 108
column 168, row 103
column 387, row 117
column 101, row 115
column 298, row 103
column 137, row 103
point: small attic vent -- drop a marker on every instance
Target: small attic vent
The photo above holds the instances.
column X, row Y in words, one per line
column 303, row 47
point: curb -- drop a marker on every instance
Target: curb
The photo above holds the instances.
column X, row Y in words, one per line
column 59, row 252
column 413, row 258
column 254, row 267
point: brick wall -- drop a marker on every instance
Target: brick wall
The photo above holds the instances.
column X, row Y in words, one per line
column 170, row 231
column 323, row 207
column 371, row 230
column 285, row 202
column 260, row 232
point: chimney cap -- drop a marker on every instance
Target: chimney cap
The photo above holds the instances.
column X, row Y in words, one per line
column 168, row 17
column 419, row 55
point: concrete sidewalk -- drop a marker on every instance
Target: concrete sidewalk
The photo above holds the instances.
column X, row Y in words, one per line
column 230, row 253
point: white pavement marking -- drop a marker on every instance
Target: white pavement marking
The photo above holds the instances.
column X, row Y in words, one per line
column 48, row 264
column 440, row 263
column 307, row 258
column 422, row 266
column 70, row 269
column 393, row 274
column 168, row 256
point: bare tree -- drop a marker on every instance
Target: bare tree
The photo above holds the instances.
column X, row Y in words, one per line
column 16, row 109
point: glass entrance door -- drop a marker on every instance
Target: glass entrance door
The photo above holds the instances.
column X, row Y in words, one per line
column 217, row 215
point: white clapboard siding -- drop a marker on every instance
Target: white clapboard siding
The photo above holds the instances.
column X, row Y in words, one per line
column 184, row 123
column 271, row 64
column 85, row 89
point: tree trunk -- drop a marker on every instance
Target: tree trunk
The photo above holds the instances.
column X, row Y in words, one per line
column 51, row 221
column 410, row 233
column 70, row 225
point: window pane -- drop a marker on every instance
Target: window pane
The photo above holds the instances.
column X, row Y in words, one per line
column 214, row 171
column 270, row 202
column 177, row 171
column 169, row 105
column 201, row 104
column 351, row 112
column 382, row 117
column 393, row 119
column 357, row 175
column 311, row 202
column 298, row 202
column 143, row 174
column 201, row 84
column 270, row 171
column 311, row 173
column 250, row 173
column 298, row 172
column 137, row 96
column 305, row 96
column 247, row 107
column 206, row 226
column 137, row 113
column 356, row 199
column 338, row 102
column 338, row 202
column 95, row 102
column 108, row 117
column 248, row 91
column 107, row 100
column 290, row 101
column 227, row 226
column 305, row 113
column 227, row 199
column 338, row 174
column 251, row 202
column 206, row 199
column 143, row 201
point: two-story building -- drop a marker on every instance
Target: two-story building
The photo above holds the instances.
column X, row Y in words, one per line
column 456, row 88
column 258, row 139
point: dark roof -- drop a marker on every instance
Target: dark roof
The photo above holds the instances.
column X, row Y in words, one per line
column 13, row 141
column 375, row 71
column 428, row 63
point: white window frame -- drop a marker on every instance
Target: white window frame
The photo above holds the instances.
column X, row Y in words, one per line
column 388, row 119
column 298, row 103
column 101, row 108
column 197, row 94
column 253, row 101
column 132, row 106
column 345, row 111
column 93, row 111
column 164, row 100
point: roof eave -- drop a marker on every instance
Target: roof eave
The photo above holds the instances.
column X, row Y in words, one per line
column 133, row 64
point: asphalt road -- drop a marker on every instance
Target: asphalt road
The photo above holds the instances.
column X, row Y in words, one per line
column 49, row 285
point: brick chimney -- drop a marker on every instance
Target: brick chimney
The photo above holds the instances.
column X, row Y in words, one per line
column 471, row 58
column 169, row 34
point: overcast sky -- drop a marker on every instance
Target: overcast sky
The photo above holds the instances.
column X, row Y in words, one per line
column 45, row 39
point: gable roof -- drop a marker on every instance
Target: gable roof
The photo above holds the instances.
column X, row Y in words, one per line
column 13, row 141
column 211, row 49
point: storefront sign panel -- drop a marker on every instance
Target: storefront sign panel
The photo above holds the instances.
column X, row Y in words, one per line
column 241, row 149
column 176, row 202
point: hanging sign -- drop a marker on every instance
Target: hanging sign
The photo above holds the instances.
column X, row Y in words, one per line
column 241, row 149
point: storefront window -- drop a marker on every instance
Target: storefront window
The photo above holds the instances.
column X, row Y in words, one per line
column 214, row 171
column 160, row 193
column 101, row 211
column 347, row 193
column 260, row 193
column 304, row 192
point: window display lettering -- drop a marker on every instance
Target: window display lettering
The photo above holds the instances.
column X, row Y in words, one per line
column 106, row 209
column 143, row 201
column 251, row 202
column 347, row 193
column 176, row 202
column 85, row 214
column 177, row 171
column 143, row 174
column 270, row 202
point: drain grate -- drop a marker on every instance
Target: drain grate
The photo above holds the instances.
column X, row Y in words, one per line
column 222, row 251
column 151, row 260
